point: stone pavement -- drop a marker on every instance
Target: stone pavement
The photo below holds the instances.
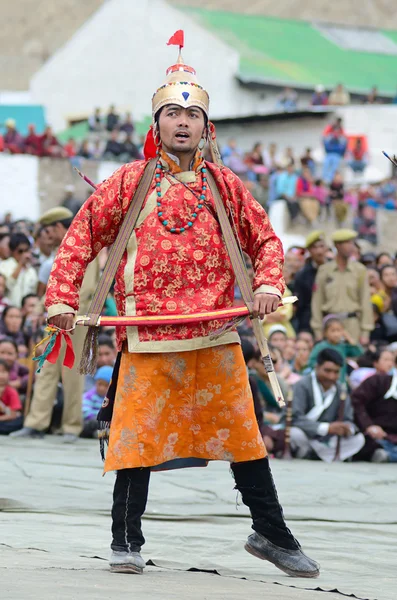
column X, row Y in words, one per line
column 55, row 530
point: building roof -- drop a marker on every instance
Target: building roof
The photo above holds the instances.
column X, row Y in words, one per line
column 371, row 13
column 297, row 53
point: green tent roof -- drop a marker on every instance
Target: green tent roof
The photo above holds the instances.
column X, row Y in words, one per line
column 295, row 53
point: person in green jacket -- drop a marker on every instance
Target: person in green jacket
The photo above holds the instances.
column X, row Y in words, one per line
column 337, row 338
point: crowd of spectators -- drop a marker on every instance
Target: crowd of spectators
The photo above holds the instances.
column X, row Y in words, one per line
column 111, row 137
column 288, row 99
column 314, row 191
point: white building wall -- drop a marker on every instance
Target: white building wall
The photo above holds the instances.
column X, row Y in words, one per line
column 19, row 176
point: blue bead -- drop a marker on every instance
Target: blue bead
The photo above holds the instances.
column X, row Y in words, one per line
column 190, row 224
column 165, row 222
column 172, row 229
column 199, row 206
column 194, row 215
column 203, row 170
column 204, row 179
column 159, row 214
column 202, row 197
column 158, row 203
column 159, row 194
column 182, row 229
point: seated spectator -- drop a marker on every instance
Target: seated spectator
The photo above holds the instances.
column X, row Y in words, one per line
column 308, row 337
column 358, row 158
column 271, row 157
column 11, row 325
column 3, row 300
column 43, row 247
column 31, row 315
column 339, row 96
column 97, row 149
column 4, row 245
column 129, row 150
column 258, row 371
column 13, row 141
column 375, row 408
column 337, row 198
column 93, row 400
column 286, row 189
column 10, row 404
column 50, row 146
column 383, row 259
column 375, row 284
column 32, row 141
column 233, row 158
column 317, row 418
column 106, row 358
column 373, row 97
column 112, row 119
column 128, row 125
column 70, row 148
column 288, row 100
column 305, row 192
column 18, row 374
column 365, row 224
column 335, row 145
column 95, row 122
column 84, row 150
column 113, row 148
column 307, row 160
column 385, row 296
column 20, row 276
column 300, row 364
column 320, row 96
column 336, row 338
column 277, row 337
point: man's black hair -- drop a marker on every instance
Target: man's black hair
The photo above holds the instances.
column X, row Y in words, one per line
column 27, row 298
column 330, row 355
column 17, row 239
column 105, row 340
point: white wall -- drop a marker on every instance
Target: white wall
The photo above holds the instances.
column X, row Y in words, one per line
column 19, row 195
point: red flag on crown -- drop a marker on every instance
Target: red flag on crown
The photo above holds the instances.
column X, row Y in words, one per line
column 178, row 39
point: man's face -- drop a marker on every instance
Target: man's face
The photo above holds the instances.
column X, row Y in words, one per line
column 181, row 129
column 389, row 277
column 22, row 251
column 327, row 374
column 106, row 356
column 317, row 251
column 55, row 233
column 30, row 305
column 4, row 247
column 279, row 340
column 346, row 249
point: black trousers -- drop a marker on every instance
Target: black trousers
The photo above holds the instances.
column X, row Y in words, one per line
column 253, row 479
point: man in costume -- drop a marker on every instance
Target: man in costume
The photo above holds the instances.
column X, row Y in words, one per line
column 178, row 396
column 318, row 416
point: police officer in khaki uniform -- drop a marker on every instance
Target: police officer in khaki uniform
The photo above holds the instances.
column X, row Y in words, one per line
column 57, row 222
column 341, row 288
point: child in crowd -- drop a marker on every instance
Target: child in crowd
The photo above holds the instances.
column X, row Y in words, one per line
column 10, row 405
column 18, row 374
column 93, row 399
column 106, row 358
column 337, row 338
column 11, row 325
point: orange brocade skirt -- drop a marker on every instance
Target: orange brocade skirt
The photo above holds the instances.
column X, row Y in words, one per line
column 194, row 404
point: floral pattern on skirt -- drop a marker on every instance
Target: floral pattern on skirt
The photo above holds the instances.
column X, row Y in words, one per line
column 195, row 404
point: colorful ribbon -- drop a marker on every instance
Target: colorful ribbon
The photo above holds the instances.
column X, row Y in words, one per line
column 53, row 348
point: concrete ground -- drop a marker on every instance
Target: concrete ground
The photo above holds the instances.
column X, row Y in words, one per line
column 55, row 521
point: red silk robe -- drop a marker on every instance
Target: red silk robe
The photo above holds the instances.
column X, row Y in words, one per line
column 163, row 272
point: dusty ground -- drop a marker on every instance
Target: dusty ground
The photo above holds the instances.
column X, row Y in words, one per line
column 54, row 524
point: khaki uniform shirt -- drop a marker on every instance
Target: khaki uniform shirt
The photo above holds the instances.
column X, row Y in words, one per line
column 337, row 291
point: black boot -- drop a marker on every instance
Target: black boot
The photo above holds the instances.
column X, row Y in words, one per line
column 129, row 503
column 273, row 541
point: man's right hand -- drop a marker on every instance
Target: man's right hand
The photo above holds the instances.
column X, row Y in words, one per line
column 339, row 428
column 64, row 321
column 376, row 432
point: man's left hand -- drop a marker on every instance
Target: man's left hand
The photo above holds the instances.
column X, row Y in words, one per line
column 264, row 304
